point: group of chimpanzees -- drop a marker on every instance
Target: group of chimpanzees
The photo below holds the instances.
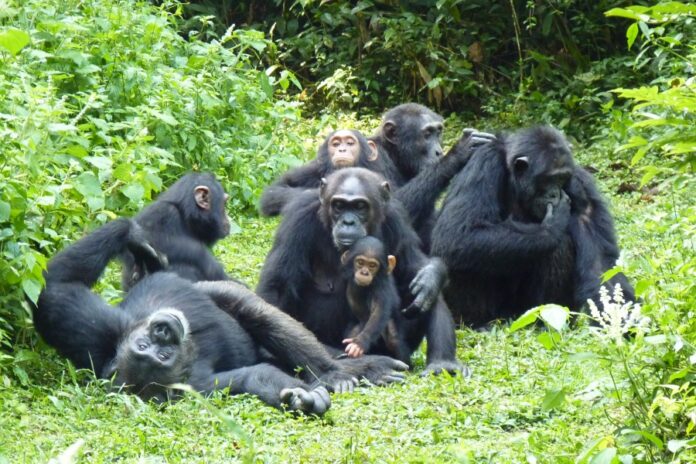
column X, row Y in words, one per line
column 349, row 272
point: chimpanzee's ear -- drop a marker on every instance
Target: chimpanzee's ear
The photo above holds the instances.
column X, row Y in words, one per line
column 385, row 190
column 389, row 130
column 344, row 258
column 374, row 152
column 202, row 196
column 322, row 187
column 391, row 263
column 521, row 164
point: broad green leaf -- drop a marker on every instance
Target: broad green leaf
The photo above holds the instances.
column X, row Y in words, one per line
column 553, row 399
column 134, row 192
column 165, row 117
column 606, row 456
column 14, row 40
column 31, row 288
column 631, row 34
column 641, row 287
column 651, row 438
column 676, row 445
column 4, row 211
column 650, row 173
column 77, row 151
column 529, row 317
column 589, row 450
column 549, row 339
column 656, row 339
column 58, row 127
column 555, row 316
column 88, row 185
column 99, row 162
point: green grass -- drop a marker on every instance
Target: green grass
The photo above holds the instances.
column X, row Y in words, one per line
column 497, row 415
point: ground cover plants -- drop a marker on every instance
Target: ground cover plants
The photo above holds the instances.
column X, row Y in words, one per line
column 105, row 102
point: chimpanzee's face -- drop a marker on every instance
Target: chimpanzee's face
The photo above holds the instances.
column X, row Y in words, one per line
column 538, row 174
column 344, row 149
column 155, row 353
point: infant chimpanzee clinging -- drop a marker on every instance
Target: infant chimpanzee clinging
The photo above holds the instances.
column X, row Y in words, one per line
column 373, row 299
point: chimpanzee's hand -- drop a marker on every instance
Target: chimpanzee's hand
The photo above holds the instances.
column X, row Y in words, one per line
column 375, row 369
column 557, row 217
column 337, row 381
column 426, row 287
column 461, row 152
column 146, row 257
column 475, row 138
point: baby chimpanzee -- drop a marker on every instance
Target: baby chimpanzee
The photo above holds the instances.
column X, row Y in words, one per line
column 373, row 299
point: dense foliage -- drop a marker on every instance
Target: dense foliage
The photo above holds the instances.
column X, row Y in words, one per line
column 455, row 55
column 105, row 102
column 102, row 103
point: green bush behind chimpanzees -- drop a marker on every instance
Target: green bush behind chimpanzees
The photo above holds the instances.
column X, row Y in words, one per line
column 101, row 104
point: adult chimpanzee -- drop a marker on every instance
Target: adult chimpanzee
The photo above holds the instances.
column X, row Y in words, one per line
column 373, row 299
column 169, row 330
column 187, row 219
column 522, row 226
column 342, row 148
column 302, row 274
column 410, row 154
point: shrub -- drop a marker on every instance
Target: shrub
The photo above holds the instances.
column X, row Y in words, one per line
column 102, row 103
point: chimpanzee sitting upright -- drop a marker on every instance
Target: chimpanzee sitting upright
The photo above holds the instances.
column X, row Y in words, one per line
column 169, row 330
column 342, row 148
column 303, row 274
column 187, row 219
column 373, row 299
column 410, row 157
column 523, row 225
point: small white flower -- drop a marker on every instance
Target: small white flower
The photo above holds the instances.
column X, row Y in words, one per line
column 617, row 315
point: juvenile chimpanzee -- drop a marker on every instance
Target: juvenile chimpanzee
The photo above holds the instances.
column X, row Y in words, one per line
column 523, row 225
column 409, row 143
column 303, row 273
column 342, row 148
column 373, row 299
column 211, row 335
column 187, row 219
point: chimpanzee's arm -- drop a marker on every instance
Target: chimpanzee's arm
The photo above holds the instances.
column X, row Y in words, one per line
column 85, row 260
column 68, row 315
column 280, row 192
column 594, row 239
column 290, row 343
column 474, row 230
column 419, row 194
column 419, row 278
column 376, row 324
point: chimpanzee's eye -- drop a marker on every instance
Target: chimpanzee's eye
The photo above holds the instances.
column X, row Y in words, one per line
column 338, row 205
column 361, row 205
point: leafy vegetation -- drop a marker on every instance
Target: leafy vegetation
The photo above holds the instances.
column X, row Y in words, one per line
column 105, row 102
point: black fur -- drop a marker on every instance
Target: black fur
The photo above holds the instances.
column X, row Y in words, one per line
column 215, row 352
column 374, row 306
column 177, row 228
column 280, row 192
column 410, row 156
column 302, row 273
column 523, row 225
